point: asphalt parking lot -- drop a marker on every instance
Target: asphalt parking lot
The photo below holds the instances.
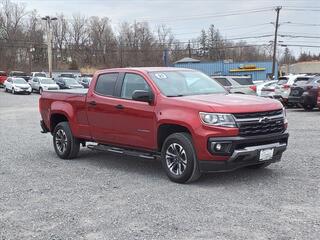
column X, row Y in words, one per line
column 107, row 196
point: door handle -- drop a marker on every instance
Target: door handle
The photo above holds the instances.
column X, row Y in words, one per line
column 92, row 103
column 120, row 107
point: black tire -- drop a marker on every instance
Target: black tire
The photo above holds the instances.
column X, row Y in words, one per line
column 184, row 165
column 13, row 91
column 308, row 107
column 259, row 166
column 62, row 135
column 5, row 89
column 40, row 91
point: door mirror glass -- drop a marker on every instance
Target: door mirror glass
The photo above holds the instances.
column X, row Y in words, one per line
column 142, row 96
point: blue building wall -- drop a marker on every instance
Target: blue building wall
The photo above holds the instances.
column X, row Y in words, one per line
column 221, row 68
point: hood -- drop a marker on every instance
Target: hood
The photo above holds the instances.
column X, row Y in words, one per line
column 75, row 86
column 49, row 85
column 21, row 85
column 232, row 103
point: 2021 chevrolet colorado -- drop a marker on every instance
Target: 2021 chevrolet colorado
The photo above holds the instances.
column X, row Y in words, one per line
column 181, row 115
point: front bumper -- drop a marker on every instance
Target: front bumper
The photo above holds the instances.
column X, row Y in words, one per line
column 245, row 151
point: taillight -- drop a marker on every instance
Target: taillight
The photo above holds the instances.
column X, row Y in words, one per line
column 254, row 87
column 286, row 86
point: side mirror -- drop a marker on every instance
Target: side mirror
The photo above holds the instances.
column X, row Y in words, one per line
column 142, row 96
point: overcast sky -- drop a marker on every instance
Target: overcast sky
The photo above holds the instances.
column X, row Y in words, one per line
column 186, row 18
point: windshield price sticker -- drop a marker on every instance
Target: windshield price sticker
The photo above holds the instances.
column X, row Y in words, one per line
column 161, row 75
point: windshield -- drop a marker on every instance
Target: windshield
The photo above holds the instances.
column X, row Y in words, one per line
column 185, row 83
column 282, row 80
column 243, row 81
column 19, row 81
column 70, row 81
column 86, row 80
column 46, row 81
column 40, row 75
column 68, row 75
column 19, row 74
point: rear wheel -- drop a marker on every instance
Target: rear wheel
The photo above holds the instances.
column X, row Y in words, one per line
column 179, row 158
column 259, row 166
column 308, row 107
column 65, row 144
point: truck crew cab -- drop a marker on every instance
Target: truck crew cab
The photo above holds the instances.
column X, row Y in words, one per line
column 183, row 116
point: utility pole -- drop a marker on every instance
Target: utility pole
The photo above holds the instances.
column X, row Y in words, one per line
column 189, row 49
column 49, row 20
column 275, row 42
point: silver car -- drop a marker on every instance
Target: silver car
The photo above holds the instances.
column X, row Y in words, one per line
column 237, row 84
column 40, row 84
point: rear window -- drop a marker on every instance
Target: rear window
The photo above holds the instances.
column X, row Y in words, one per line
column 223, row 81
column 243, row 81
column 282, row 80
column 301, row 80
column 106, row 83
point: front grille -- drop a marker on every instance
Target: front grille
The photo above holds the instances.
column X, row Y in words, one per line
column 260, row 123
column 257, row 114
column 24, row 88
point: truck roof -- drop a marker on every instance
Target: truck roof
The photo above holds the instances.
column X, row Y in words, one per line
column 148, row 69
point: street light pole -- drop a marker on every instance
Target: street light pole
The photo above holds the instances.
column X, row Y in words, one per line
column 275, row 42
column 49, row 20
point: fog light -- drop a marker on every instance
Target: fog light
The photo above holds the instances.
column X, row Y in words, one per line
column 218, row 147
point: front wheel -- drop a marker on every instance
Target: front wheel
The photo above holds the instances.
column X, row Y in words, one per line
column 40, row 91
column 65, row 144
column 13, row 91
column 179, row 158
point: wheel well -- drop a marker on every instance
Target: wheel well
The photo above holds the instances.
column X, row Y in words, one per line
column 165, row 130
column 55, row 119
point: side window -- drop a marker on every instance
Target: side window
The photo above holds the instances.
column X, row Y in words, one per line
column 131, row 83
column 223, row 81
column 35, row 80
column 106, row 83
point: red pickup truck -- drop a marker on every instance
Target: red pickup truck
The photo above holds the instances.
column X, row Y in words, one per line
column 180, row 115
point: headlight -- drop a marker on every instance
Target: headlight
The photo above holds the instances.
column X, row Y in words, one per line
column 218, row 119
column 284, row 112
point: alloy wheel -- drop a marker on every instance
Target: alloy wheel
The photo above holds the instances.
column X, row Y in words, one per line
column 61, row 140
column 176, row 159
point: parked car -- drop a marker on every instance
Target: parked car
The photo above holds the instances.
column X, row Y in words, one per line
column 263, row 87
column 67, row 75
column 305, row 93
column 17, row 85
column 38, row 74
column 180, row 115
column 283, row 87
column 3, row 78
column 40, row 84
column 19, row 74
column 85, row 81
column 237, row 84
column 67, row 83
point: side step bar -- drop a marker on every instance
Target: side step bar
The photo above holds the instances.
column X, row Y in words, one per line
column 129, row 152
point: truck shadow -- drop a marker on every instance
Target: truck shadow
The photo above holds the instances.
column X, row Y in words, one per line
column 153, row 170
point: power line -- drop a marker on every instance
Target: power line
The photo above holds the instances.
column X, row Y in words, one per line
column 207, row 16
